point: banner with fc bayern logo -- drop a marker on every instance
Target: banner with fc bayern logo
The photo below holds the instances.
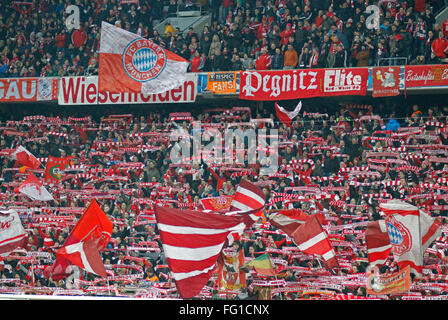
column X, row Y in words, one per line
column 130, row 63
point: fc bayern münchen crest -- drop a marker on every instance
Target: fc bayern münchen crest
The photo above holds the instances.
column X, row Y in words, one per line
column 143, row 60
column 399, row 236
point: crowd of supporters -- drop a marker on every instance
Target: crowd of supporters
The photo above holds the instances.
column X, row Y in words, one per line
column 123, row 161
column 262, row 34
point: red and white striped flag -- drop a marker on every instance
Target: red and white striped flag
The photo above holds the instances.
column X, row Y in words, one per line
column 192, row 242
column 411, row 231
column 288, row 220
column 311, row 238
column 248, row 197
column 286, row 117
column 247, row 203
column 378, row 242
column 85, row 255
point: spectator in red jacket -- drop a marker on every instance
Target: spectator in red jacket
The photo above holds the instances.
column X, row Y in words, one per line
column 285, row 34
column 61, row 40
column 440, row 46
column 195, row 62
column 263, row 62
column 79, row 37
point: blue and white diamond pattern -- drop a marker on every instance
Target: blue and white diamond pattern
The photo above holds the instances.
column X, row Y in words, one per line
column 394, row 234
column 144, row 59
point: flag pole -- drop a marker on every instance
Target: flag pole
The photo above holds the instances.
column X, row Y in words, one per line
column 32, row 272
column 275, row 273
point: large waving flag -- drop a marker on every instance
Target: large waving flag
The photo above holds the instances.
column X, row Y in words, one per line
column 192, row 242
column 93, row 224
column 247, row 203
column 130, row 63
column 311, row 238
column 286, row 117
column 288, row 220
column 411, row 231
column 248, row 197
column 85, row 255
column 93, row 227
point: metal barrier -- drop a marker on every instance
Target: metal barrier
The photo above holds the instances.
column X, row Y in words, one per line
column 194, row 10
column 394, row 61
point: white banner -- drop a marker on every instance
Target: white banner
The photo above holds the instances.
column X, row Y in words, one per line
column 84, row 91
column 12, row 232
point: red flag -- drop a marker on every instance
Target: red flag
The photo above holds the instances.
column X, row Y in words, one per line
column 25, row 158
column 311, row 238
column 85, row 255
column 54, row 167
column 58, row 270
column 34, row 189
column 286, row 117
column 378, row 242
column 192, row 242
column 93, row 225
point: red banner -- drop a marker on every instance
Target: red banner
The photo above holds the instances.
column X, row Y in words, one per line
column 303, row 83
column 217, row 203
column 426, row 76
column 28, row 89
column 386, row 81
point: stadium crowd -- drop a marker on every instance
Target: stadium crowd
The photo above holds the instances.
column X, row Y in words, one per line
column 262, row 34
column 123, row 161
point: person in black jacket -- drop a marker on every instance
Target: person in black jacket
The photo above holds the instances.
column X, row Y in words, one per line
column 277, row 60
column 331, row 164
column 353, row 147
